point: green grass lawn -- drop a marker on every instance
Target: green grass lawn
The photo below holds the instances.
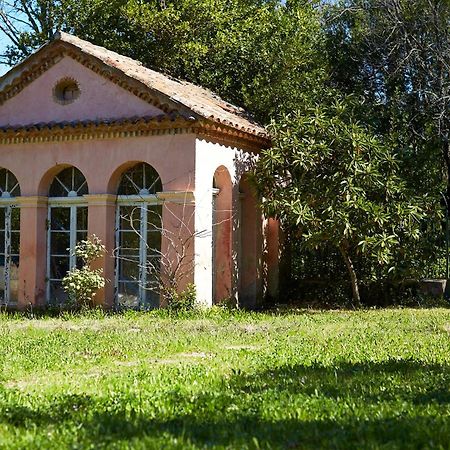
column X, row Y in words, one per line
column 309, row 379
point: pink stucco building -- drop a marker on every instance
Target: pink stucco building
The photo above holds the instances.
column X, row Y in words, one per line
column 92, row 142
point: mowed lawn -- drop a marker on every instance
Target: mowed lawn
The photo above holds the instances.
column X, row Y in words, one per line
column 303, row 379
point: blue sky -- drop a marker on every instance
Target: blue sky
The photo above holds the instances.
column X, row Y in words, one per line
column 3, row 43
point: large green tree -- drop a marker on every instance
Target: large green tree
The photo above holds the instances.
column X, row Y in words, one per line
column 259, row 54
column 396, row 53
column 334, row 182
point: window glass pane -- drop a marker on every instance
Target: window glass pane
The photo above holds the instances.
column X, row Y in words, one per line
column 2, row 218
column 15, row 242
column 153, row 243
column 127, row 186
column 152, row 180
column 154, row 214
column 129, row 242
column 61, row 184
column 2, row 242
column 15, row 190
column 80, row 184
column 8, row 183
column 141, row 176
column 60, row 219
column 58, row 295
column 128, row 253
column 59, row 266
column 68, row 180
column 15, row 219
column 15, row 264
column 60, row 242
column 129, row 269
column 152, row 266
column 81, row 236
column 130, row 217
column 128, row 295
column 82, row 215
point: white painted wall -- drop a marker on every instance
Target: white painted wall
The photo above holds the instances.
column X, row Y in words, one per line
column 208, row 157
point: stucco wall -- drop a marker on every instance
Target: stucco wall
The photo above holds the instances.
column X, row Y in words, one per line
column 209, row 156
column 100, row 99
column 102, row 162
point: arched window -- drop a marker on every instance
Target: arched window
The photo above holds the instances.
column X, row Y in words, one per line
column 142, row 179
column 9, row 238
column 138, row 238
column 68, row 183
column 67, row 225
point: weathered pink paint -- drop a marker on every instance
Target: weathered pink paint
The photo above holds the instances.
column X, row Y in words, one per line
column 101, row 214
column 222, row 223
column 33, row 215
column 100, row 99
column 185, row 163
column 101, row 161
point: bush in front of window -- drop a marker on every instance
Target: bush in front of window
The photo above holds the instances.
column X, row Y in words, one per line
column 81, row 284
column 185, row 300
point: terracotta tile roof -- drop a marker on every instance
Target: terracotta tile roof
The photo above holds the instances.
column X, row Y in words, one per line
column 188, row 99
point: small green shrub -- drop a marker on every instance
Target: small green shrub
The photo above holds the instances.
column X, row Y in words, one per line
column 82, row 284
column 185, row 300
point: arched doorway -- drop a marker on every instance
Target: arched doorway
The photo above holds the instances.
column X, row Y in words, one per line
column 9, row 238
column 250, row 246
column 221, row 233
column 138, row 238
column 67, row 225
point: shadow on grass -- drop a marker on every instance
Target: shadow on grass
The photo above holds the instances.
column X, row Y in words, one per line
column 398, row 404
column 409, row 380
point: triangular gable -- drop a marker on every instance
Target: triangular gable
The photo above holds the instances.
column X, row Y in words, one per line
column 116, row 92
column 99, row 99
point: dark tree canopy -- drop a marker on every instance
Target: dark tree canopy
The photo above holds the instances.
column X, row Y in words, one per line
column 257, row 54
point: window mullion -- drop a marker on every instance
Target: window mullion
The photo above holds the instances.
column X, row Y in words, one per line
column 118, row 255
column 49, row 241
column 7, row 252
column 143, row 255
column 73, row 237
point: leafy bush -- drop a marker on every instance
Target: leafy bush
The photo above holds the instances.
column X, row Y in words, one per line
column 185, row 300
column 82, row 284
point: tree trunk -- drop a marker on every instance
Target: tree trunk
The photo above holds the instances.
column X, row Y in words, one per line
column 352, row 273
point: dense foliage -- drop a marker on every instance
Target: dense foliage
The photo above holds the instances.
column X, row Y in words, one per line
column 396, row 54
column 254, row 53
column 82, row 283
column 337, row 184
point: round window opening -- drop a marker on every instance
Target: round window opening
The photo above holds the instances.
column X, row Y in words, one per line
column 66, row 91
